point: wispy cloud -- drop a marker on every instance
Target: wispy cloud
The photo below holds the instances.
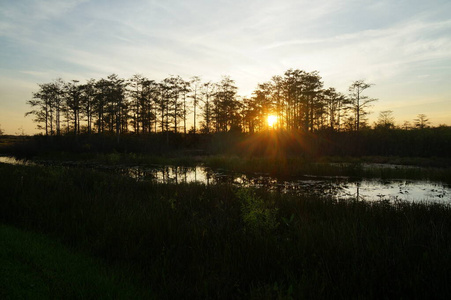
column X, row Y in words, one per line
column 25, row 17
column 395, row 44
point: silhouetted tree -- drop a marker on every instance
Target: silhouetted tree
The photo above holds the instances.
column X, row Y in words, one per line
column 422, row 121
column 226, row 107
column 277, row 98
column 136, row 92
column 406, row 125
column 195, row 89
column 41, row 108
column 73, row 104
column 334, row 103
column 312, row 104
column 47, row 106
column 114, row 105
column 359, row 103
column 184, row 88
column 87, row 102
column 207, row 108
column 260, row 106
column 100, row 103
column 385, row 120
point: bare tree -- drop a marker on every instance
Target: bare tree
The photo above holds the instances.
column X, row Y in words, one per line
column 359, row 102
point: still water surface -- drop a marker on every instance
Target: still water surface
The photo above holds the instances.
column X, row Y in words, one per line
column 338, row 187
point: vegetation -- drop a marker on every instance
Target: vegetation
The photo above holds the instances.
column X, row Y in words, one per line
column 359, row 103
column 220, row 241
column 295, row 101
column 428, row 142
column 36, row 267
column 140, row 115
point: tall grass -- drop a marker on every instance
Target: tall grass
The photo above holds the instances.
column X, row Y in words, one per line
column 35, row 267
column 197, row 241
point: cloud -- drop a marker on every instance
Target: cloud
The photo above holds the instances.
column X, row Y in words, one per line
column 34, row 73
column 24, row 17
column 397, row 45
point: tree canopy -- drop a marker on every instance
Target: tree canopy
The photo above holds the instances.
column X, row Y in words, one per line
column 296, row 100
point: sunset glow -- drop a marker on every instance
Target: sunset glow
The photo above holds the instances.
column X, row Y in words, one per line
column 272, row 120
column 403, row 48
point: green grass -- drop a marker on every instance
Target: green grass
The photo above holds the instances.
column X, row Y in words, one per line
column 220, row 241
column 32, row 266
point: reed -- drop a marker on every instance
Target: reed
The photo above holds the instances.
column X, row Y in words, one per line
column 221, row 241
column 36, row 267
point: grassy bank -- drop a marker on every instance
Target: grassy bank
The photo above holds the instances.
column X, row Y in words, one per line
column 36, row 267
column 196, row 241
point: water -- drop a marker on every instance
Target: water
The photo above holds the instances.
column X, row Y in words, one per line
column 337, row 187
column 13, row 161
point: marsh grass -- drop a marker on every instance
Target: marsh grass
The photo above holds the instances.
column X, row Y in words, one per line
column 220, row 241
column 36, row 267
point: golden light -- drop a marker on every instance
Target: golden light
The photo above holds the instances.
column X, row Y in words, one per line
column 272, row 119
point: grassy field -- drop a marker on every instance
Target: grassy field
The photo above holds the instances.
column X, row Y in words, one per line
column 220, row 241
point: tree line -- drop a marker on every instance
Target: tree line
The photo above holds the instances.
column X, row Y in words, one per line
column 141, row 105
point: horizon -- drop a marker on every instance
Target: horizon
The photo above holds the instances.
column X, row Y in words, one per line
column 402, row 48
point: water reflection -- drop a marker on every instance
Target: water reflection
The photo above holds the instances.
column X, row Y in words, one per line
column 340, row 188
column 14, row 161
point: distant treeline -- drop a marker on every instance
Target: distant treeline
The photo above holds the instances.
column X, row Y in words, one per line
column 429, row 142
column 297, row 100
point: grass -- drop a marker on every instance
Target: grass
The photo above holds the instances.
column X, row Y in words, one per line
column 36, row 267
column 220, row 241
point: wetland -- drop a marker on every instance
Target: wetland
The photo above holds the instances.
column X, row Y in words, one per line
column 195, row 225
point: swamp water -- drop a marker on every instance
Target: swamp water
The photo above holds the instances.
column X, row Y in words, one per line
column 337, row 187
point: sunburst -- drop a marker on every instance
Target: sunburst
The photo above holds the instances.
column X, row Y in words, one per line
column 272, row 120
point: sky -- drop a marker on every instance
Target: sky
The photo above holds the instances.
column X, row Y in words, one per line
column 403, row 47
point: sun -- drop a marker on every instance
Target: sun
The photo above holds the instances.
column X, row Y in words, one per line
column 272, row 119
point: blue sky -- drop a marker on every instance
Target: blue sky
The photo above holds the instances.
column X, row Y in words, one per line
column 403, row 47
